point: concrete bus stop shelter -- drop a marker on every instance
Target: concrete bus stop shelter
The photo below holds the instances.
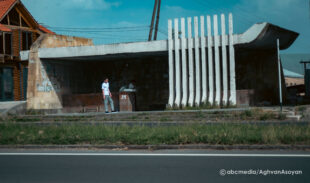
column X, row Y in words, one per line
column 67, row 76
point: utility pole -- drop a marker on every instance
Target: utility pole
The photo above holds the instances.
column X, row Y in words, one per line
column 306, row 77
column 157, row 20
column 156, row 10
column 280, row 76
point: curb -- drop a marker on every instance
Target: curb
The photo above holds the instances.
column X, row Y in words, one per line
column 162, row 147
column 160, row 123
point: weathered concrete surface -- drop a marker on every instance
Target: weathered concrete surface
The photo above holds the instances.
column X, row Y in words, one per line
column 41, row 94
column 258, row 36
column 12, row 108
column 43, row 85
column 257, row 70
column 77, row 84
column 100, row 50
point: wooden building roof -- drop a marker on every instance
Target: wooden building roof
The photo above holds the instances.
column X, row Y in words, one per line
column 7, row 5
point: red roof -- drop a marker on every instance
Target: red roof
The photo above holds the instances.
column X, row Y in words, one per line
column 46, row 30
column 5, row 5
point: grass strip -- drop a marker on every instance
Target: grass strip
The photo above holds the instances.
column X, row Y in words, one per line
column 219, row 134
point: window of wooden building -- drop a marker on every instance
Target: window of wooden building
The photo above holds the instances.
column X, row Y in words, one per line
column 14, row 17
column 6, row 84
column 24, row 24
column 1, row 43
column 5, row 21
column 26, row 40
column 6, row 43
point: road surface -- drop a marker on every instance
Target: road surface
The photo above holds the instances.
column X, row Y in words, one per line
column 33, row 166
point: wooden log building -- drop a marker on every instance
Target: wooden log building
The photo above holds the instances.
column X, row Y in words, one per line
column 18, row 30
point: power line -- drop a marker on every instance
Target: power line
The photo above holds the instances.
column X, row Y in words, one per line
column 108, row 35
column 94, row 31
column 98, row 28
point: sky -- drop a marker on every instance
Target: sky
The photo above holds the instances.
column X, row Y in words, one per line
column 113, row 21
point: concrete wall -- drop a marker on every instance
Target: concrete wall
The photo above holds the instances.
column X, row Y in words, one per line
column 42, row 93
column 257, row 70
column 78, row 83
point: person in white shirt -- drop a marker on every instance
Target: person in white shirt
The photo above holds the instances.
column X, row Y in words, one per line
column 107, row 96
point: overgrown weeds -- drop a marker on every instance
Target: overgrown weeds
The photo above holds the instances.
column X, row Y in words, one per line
column 225, row 134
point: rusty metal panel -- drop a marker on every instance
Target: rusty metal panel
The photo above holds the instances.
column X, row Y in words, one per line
column 127, row 101
column 245, row 98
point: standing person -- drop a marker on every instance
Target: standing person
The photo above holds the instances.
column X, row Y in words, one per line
column 107, row 96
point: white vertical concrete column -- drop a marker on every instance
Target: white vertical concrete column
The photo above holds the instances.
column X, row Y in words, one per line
column 203, row 60
column 197, row 64
column 177, row 64
column 171, row 65
column 190, row 63
column 233, row 93
column 217, row 62
column 224, row 61
column 184, row 65
column 210, row 62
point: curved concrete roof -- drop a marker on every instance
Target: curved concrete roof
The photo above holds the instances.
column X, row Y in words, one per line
column 265, row 35
column 259, row 36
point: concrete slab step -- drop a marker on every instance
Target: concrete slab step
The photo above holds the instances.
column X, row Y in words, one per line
column 294, row 117
column 12, row 108
column 163, row 116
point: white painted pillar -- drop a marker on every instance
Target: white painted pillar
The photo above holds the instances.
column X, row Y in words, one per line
column 197, row 64
column 210, row 62
column 233, row 93
column 217, row 62
column 190, row 63
column 184, row 65
column 171, row 65
column 177, row 64
column 203, row 60
column 224, row 61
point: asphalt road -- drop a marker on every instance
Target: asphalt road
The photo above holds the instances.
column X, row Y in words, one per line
column 148, row 167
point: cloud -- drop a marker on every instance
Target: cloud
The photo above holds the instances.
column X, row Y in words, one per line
column 176, row 9
column 90, row 4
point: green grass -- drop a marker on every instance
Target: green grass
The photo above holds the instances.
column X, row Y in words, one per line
column 301, row 108
column 21, row 119
column 223, row 134
column 163, row 119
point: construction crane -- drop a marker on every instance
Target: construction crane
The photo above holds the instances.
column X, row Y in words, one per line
column 156, row 13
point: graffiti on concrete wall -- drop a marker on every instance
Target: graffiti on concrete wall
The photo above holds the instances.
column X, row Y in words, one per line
column 48, row 84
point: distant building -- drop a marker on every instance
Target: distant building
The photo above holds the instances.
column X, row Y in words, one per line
column 294, row 73
column 293, row 70
column 18, row 30
column 291, row 62
column 293, row 78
